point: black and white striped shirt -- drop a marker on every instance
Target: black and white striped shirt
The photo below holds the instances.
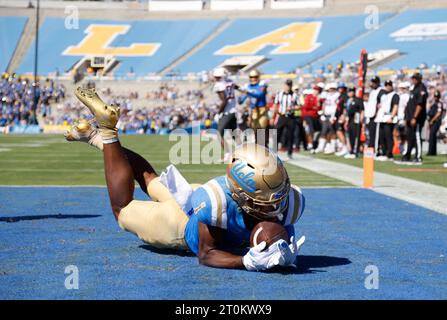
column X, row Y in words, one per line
column 286, row 101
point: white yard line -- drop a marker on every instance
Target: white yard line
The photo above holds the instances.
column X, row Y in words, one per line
column 419, row 193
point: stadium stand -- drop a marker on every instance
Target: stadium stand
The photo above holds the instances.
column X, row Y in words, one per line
column 11, row 29
column 274, row 39
column 413, row 33
column 175, row 5
column 132, row 42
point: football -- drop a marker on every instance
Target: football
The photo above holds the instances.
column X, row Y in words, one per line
column 269, row 232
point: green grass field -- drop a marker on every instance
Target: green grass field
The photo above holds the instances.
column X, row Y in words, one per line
column 50, row 160
column 430, row 171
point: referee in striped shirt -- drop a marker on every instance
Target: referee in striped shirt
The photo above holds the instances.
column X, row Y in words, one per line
column 283, row 116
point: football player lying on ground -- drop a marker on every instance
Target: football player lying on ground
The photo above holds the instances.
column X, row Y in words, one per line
column 204, row 219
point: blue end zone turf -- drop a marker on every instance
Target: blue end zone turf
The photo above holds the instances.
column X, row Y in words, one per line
column 43, row 230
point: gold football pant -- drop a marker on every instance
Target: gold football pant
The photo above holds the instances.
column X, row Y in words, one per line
column 160, row 223
column 259, row 118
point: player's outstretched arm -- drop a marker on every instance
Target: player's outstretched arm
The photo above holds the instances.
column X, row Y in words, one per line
column 210, row 255
column 258, row 257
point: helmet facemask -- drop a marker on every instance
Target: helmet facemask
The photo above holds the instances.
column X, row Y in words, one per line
column 262, row 210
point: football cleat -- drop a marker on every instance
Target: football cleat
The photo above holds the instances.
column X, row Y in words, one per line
column 81, row 130
column 106, row 115
column 84, row 131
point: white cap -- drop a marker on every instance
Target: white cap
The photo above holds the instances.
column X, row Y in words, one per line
column 219, row 72
column 321, row 85
column 404, row 84
column 331, row 85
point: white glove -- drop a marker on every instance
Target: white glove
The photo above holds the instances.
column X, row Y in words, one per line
column 292, row 252
column 256, row 259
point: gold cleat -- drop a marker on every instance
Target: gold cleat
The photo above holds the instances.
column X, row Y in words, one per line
column 84, row 131
column 81, row 130
column 106, row 115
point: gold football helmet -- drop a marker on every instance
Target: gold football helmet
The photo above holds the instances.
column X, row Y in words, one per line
column 254, row 76
column 258, row 181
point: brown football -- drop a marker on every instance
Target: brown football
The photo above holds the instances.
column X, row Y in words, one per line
column 269, row 232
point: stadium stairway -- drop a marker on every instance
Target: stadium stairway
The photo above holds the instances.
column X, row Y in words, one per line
column 195, row 49
column 322, row 59
column 24, row 43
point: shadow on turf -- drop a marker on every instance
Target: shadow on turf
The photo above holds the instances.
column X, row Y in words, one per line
column 169, row 252
column 48, row 216
column 305, row 264
column 308, row 264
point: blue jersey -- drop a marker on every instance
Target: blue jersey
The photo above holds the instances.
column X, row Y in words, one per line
column 257, row 94
column 213, row 205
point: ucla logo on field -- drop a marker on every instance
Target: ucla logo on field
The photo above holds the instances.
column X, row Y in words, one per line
column 244, row 179
column 294, row 38
column 98, row 41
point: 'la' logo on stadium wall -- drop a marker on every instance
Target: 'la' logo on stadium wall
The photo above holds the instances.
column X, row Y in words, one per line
column 297, row 37
column 98, row 40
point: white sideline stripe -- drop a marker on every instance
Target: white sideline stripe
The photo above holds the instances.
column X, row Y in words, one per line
column 419, row 193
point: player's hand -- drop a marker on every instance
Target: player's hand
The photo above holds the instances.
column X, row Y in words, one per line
column 413, row 122
column 292, row 254
column 259, row 258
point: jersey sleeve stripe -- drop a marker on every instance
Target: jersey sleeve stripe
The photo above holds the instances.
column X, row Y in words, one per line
column 213, row 200
column 222, row 207
column 299, row 204
column 291, row 204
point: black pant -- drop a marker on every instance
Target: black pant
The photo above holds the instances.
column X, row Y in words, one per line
column 386, row 139
column 228, row 121
column 285, row 131
column 372, row 133
column 432, row 139
column 299, row 136
column 414, row 140
column 354, row 137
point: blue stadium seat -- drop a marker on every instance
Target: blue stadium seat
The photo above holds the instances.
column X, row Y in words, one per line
column 428, row 47
column 11, row 28
column 327, row 34
column 174, row 38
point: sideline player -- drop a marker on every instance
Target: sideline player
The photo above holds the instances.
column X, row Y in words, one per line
column 256, row 92
column 224, row 88
column 208, row 219
column 415, row 115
